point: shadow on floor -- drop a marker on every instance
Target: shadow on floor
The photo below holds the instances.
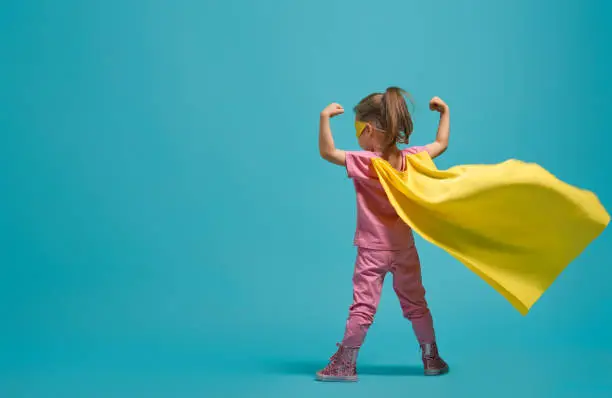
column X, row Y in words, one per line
column 310, row 368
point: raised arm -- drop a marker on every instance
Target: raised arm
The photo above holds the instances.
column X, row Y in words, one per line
column 326, row 140
column 438, row 147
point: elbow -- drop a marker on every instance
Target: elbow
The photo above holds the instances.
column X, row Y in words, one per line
column 437, row 148
column 326, row 156
column 334, row 156
column 443, row 146
column 326, row 153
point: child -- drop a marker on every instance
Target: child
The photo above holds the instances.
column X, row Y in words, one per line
column 385, row 243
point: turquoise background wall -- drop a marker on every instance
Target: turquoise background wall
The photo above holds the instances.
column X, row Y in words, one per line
column 168, row 229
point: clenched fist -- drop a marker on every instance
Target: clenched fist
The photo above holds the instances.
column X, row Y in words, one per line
column 332, row 110
column 436, row 104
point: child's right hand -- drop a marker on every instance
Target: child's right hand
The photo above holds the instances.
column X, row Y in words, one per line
column 332, row 110
column 436, row 104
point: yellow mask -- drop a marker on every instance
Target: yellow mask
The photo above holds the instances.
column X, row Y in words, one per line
column 359, row 127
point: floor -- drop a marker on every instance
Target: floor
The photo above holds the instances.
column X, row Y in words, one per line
column 500, row 373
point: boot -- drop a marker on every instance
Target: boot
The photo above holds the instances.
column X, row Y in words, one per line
column 433, row 364
column 342, row 366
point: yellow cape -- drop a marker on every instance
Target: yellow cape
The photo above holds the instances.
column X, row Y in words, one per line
column 514, row 224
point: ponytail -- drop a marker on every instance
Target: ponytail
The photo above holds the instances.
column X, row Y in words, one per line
column 389, row 112
column 395, row 117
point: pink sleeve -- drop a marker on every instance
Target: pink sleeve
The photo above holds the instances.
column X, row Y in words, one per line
column 359, row 164
column 414, row 150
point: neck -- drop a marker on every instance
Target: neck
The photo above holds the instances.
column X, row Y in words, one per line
column 391, row 151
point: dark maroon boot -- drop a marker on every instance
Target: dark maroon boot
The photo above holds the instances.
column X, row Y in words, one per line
column 434, row 365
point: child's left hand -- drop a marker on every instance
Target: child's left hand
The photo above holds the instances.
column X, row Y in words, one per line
column 436, row 104
column 332, row 110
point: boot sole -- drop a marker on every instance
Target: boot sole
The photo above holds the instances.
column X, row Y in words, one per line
column 437, row 372
column 337, row 379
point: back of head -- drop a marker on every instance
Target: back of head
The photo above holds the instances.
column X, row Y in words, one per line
column 389, row 112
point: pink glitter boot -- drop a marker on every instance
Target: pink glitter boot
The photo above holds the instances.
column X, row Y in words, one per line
column 342, row 366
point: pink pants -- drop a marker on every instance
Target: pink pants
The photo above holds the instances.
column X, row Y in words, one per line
column 371, row 268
